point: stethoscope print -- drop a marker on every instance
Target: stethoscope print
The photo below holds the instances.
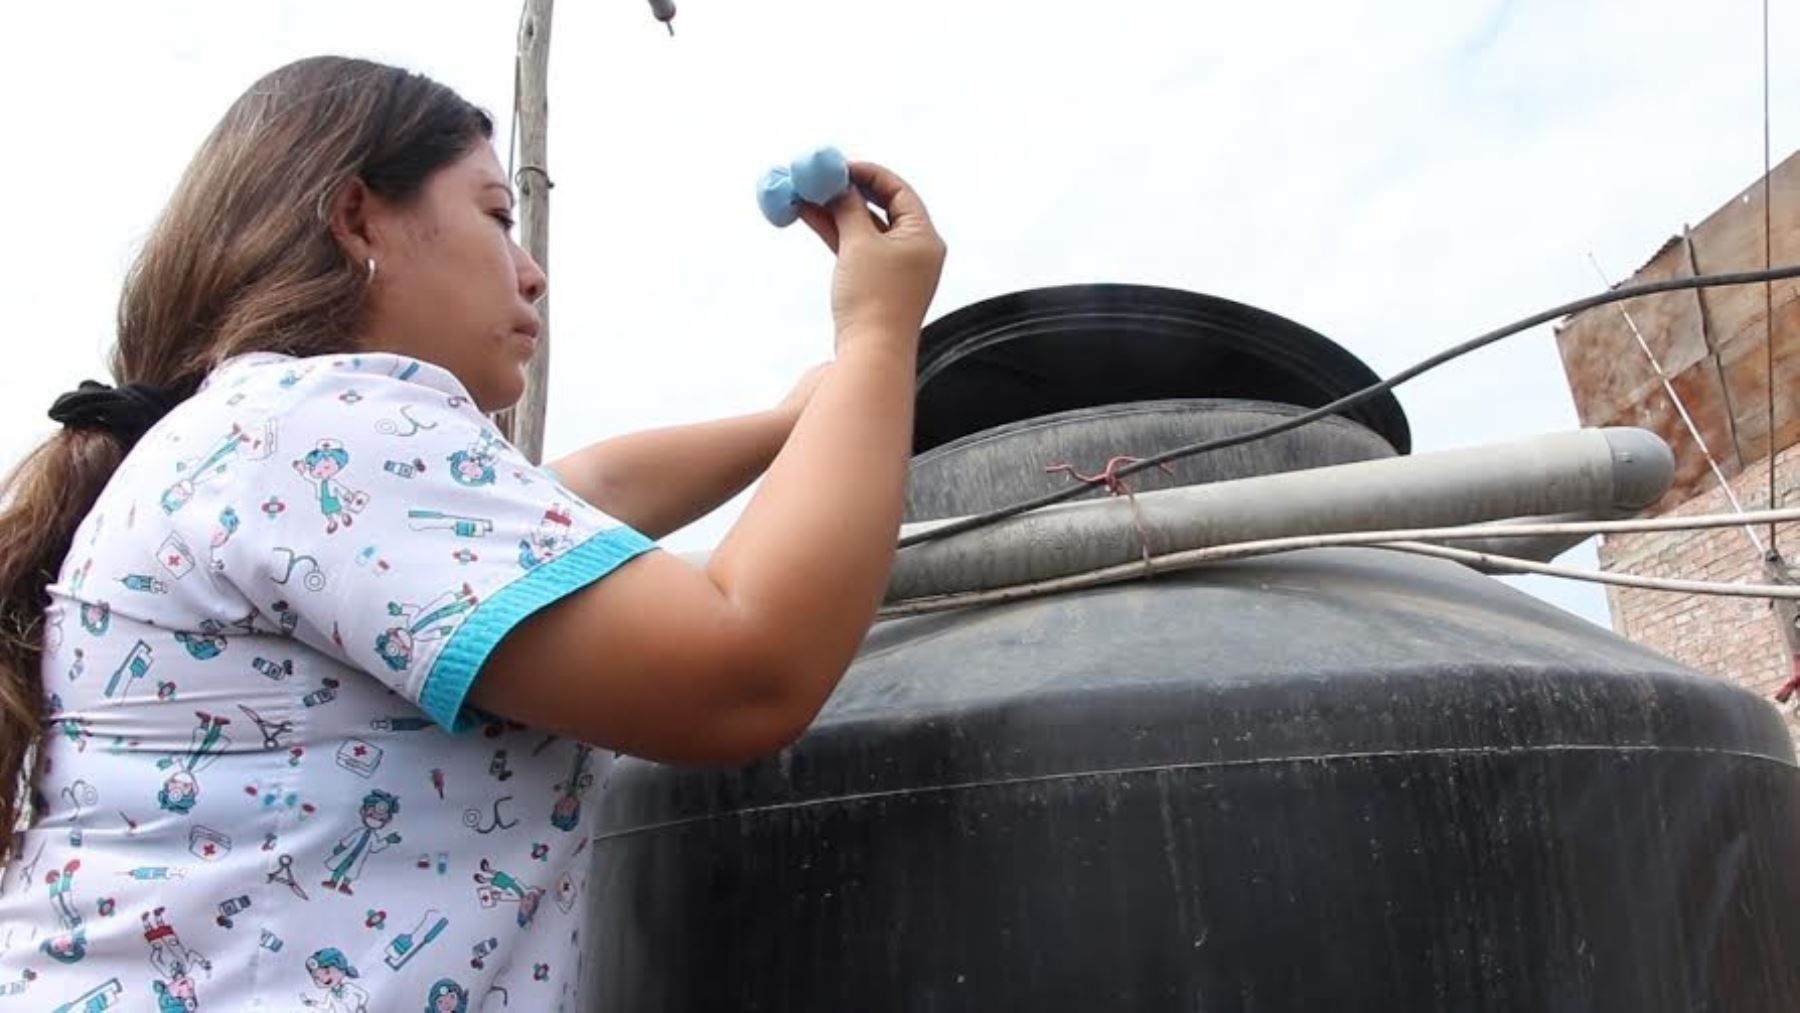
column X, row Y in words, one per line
column 472, row 818
column 313, row 580
column 390, row 427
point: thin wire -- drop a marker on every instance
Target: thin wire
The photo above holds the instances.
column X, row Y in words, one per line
column 1408, row 538
column 1768, row 286
column 1367, row 393
column 1257, row 547
column 1688, row 420
column 1672, row 585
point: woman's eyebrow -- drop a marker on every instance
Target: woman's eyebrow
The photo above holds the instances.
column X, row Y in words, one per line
column 511, row 201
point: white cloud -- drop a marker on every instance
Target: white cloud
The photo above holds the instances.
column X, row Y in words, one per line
column 1398, row 179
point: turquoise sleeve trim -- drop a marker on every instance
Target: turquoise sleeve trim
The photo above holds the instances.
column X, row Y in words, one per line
column 461, row 659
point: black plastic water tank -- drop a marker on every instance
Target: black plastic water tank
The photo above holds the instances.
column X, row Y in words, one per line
column 1339, row 779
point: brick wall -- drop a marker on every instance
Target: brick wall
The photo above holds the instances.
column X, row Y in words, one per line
column 1732, row 638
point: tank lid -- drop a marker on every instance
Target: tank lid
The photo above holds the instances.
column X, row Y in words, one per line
column 1048, row 350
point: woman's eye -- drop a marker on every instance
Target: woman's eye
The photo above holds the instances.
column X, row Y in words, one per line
column 505, row 220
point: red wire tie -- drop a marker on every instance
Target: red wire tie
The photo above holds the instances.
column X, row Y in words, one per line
column 1108, row 476
column 1115, row 485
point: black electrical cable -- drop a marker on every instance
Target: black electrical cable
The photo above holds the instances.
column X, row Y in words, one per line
column 991, row 517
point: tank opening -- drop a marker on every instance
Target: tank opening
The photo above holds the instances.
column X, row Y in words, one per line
column 1050, row 350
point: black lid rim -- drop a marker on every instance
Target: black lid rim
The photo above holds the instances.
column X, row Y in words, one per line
column 1169, row 312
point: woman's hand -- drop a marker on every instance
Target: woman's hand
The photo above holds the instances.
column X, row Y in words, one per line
column 886, row 272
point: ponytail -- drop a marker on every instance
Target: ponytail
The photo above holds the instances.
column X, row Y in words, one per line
column 41, row 504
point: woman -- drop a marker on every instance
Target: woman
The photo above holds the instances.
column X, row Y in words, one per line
column 325, row 314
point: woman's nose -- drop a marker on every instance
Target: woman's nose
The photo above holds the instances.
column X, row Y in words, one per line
column 532, row 282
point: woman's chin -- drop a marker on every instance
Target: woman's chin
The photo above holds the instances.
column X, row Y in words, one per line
column 504, row 392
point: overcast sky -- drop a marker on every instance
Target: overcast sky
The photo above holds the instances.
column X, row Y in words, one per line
column 1398, row 176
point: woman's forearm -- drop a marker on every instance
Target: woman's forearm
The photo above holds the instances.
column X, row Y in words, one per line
column 661, row 480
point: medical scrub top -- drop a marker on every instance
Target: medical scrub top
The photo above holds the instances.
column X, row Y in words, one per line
column 260, row 786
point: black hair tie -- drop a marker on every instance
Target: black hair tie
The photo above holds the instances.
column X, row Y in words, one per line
column 126, row 412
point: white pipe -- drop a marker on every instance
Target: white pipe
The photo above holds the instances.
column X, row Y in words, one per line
column 1591, row 471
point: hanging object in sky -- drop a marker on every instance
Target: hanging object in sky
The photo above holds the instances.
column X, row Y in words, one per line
column 665, row 12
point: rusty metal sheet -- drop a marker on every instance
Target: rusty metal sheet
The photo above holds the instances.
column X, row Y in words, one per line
column 1746, row 377
column 1607, row 370
column 1713, row 344
column 1731, row 239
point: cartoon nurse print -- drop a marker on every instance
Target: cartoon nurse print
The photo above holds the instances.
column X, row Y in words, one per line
column 206, row 644
column 174, row 964
column 241, row 444
column 222, row 532
column 70, row 945
column 181, row 789
column 565, row 814
column 446, row 996
column 321, row 466
column 549, row 540
column 497, row 886
column 430, row 621
column 352, row 850
column 331, row 972
column 474, row 466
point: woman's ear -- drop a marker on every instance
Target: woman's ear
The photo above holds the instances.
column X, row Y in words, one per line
column 349, row 216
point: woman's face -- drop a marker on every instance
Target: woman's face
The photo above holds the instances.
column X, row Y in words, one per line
column 451, row 286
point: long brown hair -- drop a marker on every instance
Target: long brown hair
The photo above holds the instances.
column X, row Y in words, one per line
column 241, row 260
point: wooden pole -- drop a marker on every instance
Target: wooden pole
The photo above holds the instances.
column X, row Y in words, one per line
column 524, row 423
